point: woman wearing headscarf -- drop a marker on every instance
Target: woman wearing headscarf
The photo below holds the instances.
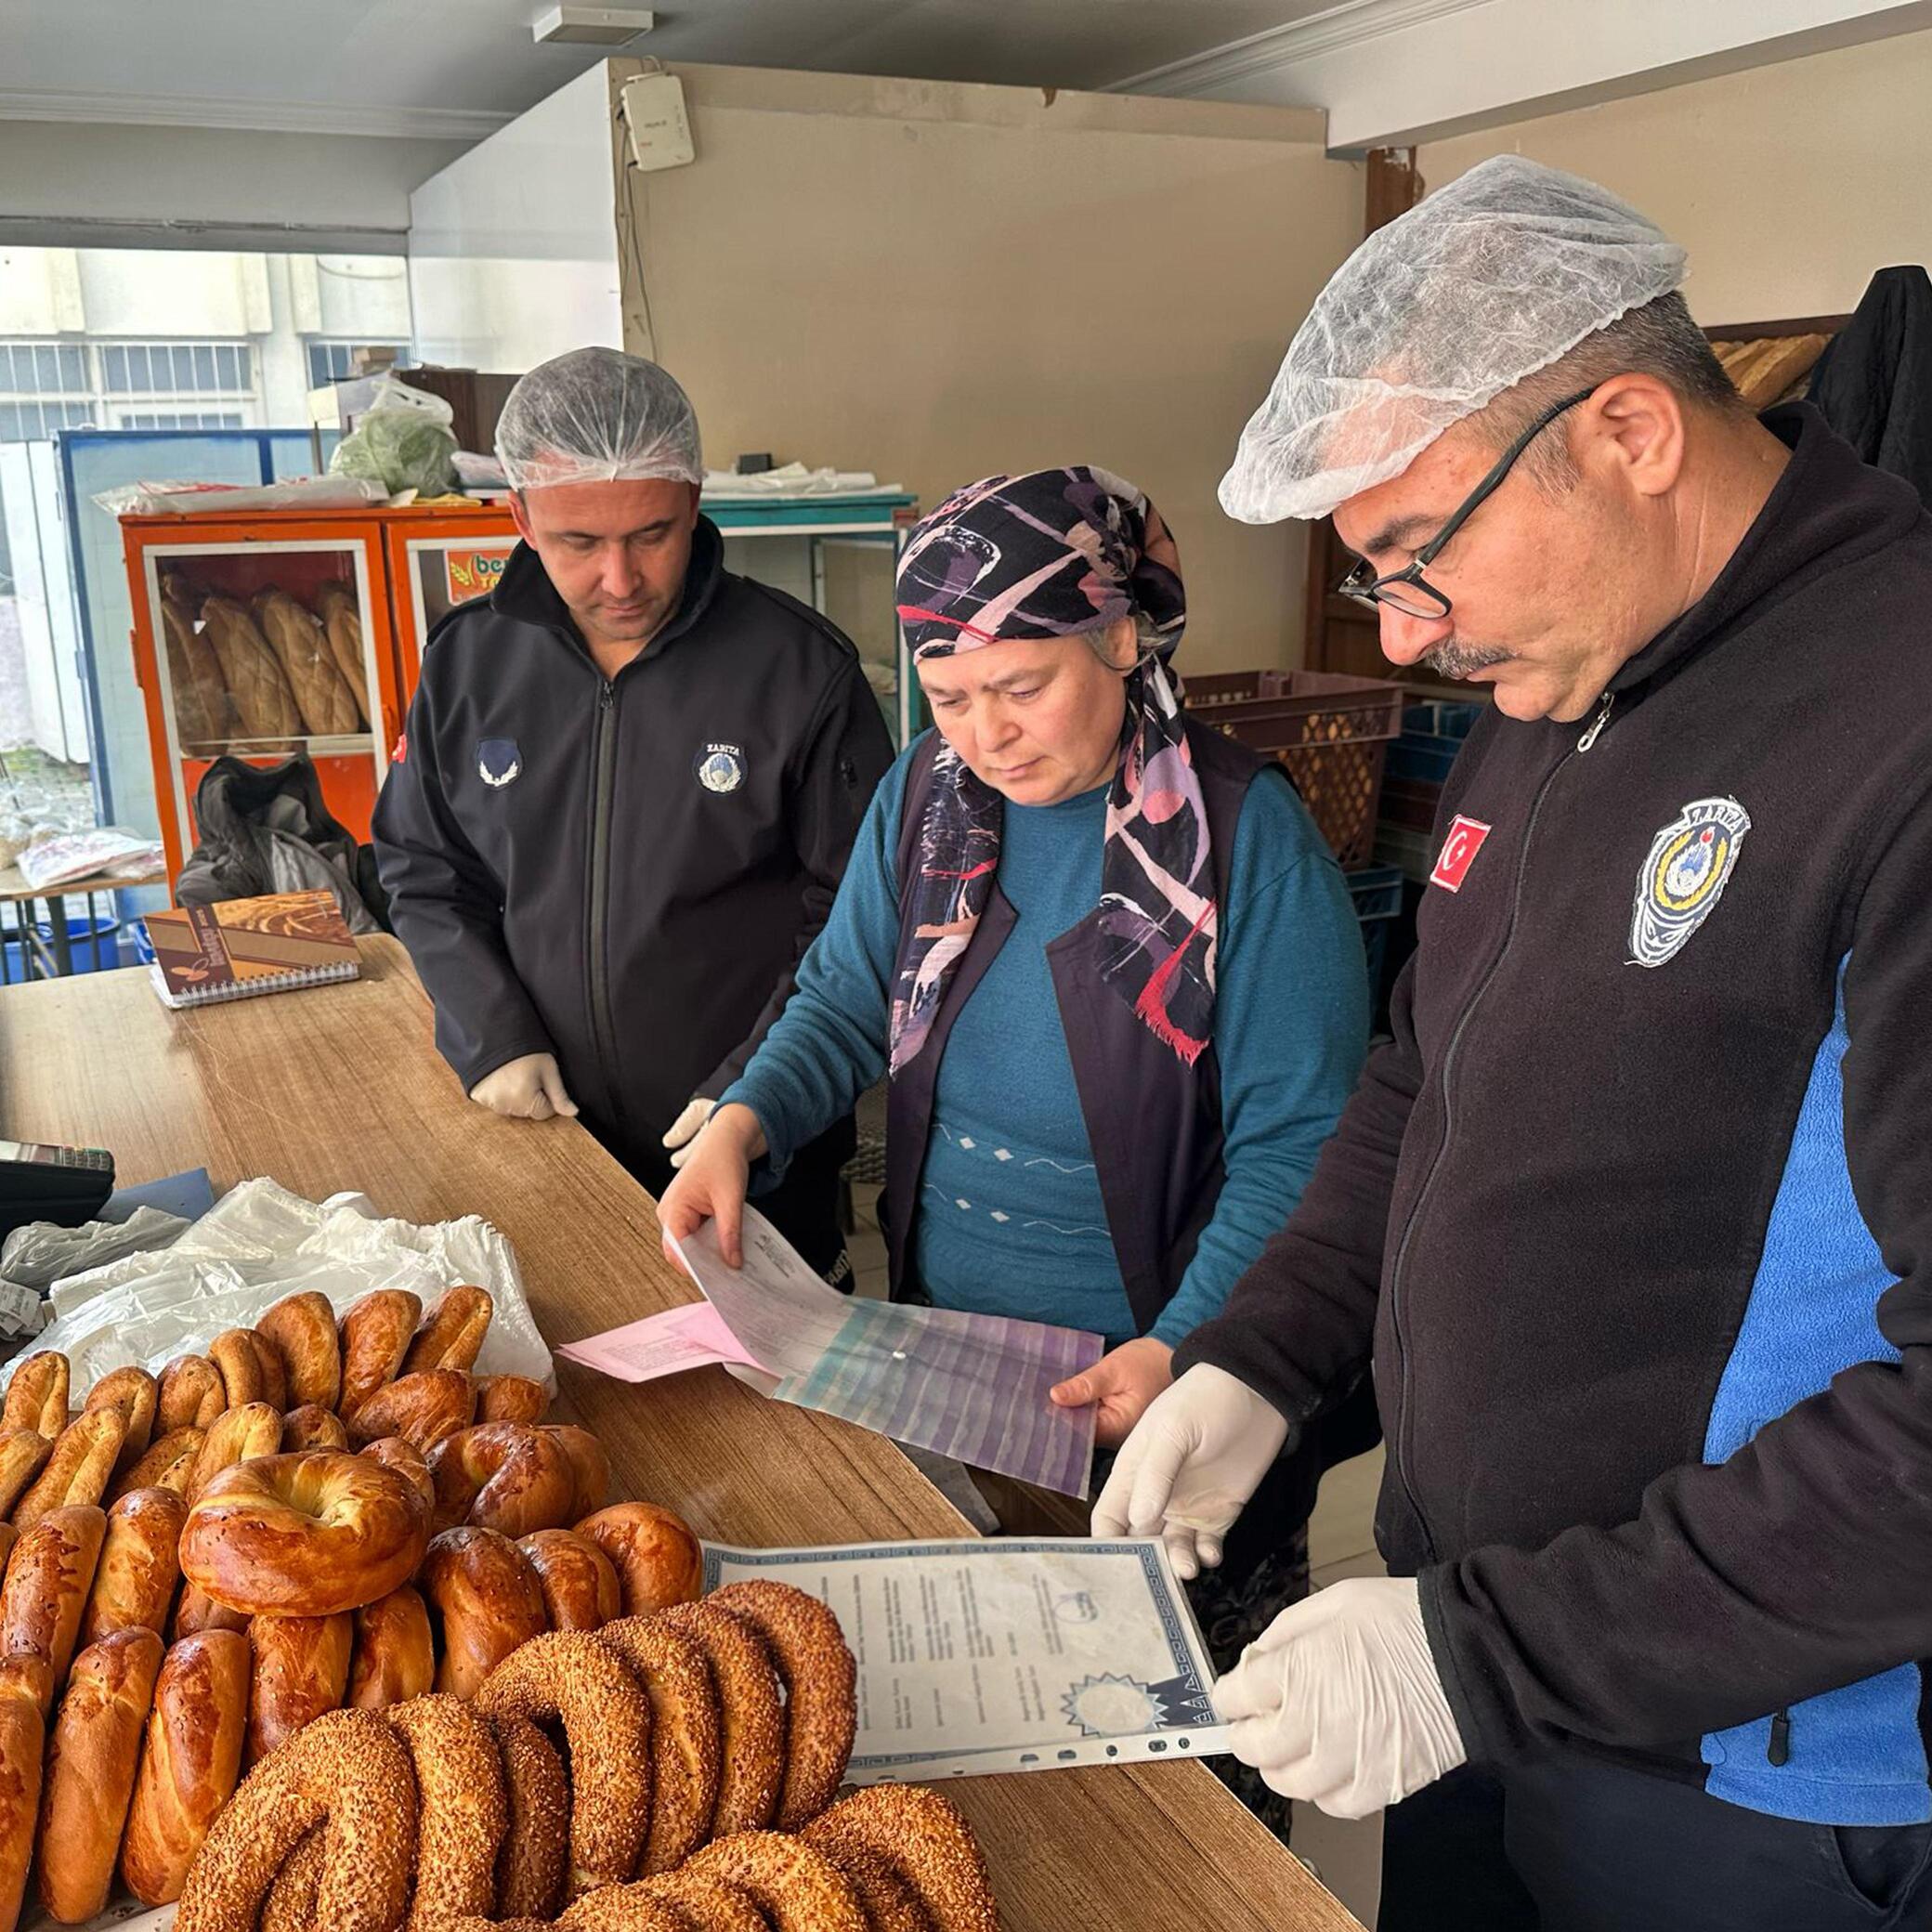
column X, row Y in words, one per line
column 1112, row 972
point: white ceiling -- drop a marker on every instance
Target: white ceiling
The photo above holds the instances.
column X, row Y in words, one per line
column 443, row 66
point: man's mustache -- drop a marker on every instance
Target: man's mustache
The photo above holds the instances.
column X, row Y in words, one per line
column 1454, row 660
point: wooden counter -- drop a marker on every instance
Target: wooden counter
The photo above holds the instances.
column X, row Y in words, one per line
column 340, row 1087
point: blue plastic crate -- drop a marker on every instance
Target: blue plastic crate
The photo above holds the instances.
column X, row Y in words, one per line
column 1376, row 891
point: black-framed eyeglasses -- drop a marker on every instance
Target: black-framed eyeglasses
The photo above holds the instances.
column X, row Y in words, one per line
column 1407, row 590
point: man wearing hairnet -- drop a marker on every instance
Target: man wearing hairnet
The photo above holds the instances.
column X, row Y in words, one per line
column 1633, row 1216
column 626, row 792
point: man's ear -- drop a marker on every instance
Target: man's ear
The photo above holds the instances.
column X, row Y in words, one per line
column 1639, row 421
column 520, row 516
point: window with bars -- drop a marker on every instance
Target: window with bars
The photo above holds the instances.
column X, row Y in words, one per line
column 330, row 361
column 47, row 386
column 179, row 419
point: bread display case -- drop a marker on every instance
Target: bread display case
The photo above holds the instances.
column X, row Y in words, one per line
column 438, row 558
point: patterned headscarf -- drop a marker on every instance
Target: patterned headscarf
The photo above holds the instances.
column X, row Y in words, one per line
column 1051, row 555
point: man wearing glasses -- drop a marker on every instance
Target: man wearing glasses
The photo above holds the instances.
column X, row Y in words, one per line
column 1632, row 1220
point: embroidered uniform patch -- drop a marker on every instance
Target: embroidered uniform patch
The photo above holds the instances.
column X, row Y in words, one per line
column 1684, row 876
column 498, row 761
column 721, row 767
column 1459, row 849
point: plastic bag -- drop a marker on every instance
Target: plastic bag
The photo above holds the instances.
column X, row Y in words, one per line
column 295, row 493
column 258, row 1243
column 43, row 1252
column 79, row 854
column 404, row 442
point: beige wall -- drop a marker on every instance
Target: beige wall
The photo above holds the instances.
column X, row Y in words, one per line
column 1789, row 184
column 933, row 283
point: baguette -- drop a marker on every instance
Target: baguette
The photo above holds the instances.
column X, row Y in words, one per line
column 342, row 624
column 301, row 648
column 264, row 703
column 203, row 713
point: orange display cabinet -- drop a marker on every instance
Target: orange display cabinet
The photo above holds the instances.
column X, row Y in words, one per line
column 438, row 558
column 238, row 557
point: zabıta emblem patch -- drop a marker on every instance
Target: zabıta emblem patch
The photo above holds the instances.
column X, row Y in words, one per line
column 721, row 767
column 1684, row 876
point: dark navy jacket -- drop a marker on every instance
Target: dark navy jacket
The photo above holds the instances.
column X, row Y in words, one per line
column 1636, row 1212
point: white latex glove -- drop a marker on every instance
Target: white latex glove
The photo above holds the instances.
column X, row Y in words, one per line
column 1338, row 1700
column 526, row 1088
column 683, row 1136
column 1189, row 1465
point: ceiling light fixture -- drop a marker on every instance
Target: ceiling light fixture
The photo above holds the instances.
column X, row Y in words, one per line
column 590, row 26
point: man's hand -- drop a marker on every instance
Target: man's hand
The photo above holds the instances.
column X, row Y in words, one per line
column 1187, row 1470
column 529, row 1088
column 1338, row 1700
column 1124, row 1381
column 711, row 1183
column 684, row 1132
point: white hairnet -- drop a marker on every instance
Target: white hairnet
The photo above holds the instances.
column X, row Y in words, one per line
column 1480, row 285
column 597, row 416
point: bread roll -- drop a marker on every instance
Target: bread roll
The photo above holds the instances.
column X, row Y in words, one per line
column 312, row 1427
column 134, row 1582
column 422, row 1409
column 588, row 1459
column 342, row 625
column 484, row 1599
column 295, row 635
column 138, row 1395
column 45, row 1593
column 395, row 1654
column 502, row 1476
column 301, row 1329
column 511, row 1399
column 169, row 1464
column 191, row 1761
column 195, row 1611
column 23, row 1454
column 452, row 1333
column 658, row 1560
column 265, row 705
column 243, row 1357
column 37, row 1396
column 22, row 1742
column 192, row 1394
column 239, row 1435
column 90, row 1771
column 203, row 715
column 581, row 1588
column 377, row 1331
column 301, row 1670
column 77, row 1472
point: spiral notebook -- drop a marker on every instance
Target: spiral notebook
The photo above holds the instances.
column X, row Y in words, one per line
column 203, row 954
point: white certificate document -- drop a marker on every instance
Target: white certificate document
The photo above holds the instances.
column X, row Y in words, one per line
column 1007, row 1654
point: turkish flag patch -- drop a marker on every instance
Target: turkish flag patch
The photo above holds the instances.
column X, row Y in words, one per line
column 400, row 754
column 1458, row 853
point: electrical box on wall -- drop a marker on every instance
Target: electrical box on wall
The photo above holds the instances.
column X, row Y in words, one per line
column 654, row 112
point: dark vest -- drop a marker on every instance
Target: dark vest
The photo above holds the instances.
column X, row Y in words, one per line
column 1154, row 1121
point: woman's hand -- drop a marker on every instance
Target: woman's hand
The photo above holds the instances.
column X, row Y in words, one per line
column 1123, row 1382
column 711, row 1185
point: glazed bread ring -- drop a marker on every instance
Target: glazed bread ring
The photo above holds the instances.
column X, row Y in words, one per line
column 394, row 1657
column 581, row 1588
column 241, row 1435
column 623, row 1908
column 300, row 1329
column 463, row 1811
column 923, row 1837
column 453, row 1335
column 348, row 1768
column 9, row 1538
column 797, row 1889
column 134, row 1582
column 711, row 1904
column 190, row 1763
column 138, row 1395
column 658, row 1558
column 290, row 1906
column 484, row 1599
column 820, row 1679
column 304, row 1535
column 22, row 1744
column 301, row 1670
column 377, row 1331
column 195, row 1611
column 192, row 1394
column 250, row 1370
column 406, row 1459
column 45, row 1593
column 751, row 1713
column 503, row 1477
column 77, row 1472
column 422, row 1409
column 312, row 1427
column 23, row 1454
column 169, row 1464
column 511, row 1399
column 888, row 1902
column 92, row 1759
column 579, row 1680
column 37, row 1396
column 677, row 1679
column 536, row 1854
column 589, row 1461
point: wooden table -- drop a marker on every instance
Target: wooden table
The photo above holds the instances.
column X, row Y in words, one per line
column 55, row 954
column 340, row 1088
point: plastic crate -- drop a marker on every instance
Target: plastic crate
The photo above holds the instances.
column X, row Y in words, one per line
column 1376, row 891
column 1331, row 733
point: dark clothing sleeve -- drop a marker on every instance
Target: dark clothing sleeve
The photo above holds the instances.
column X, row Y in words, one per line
column 447, row 908
column 1300, row 1325
column 844, row 756
column 1803, row 1561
